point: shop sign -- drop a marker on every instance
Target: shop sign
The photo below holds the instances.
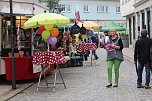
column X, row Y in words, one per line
column 36, row 68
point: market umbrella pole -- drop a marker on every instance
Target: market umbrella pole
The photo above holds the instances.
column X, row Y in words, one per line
column 12, row 52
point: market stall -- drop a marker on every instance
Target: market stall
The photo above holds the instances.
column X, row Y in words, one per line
column 21, row 56
column 49, row 33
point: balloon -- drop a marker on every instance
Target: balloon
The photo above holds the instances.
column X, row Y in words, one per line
column 84, row 36
column 52, row 40
column 46, row 40
column 77, row 38
column 54, row 32
column 70, row 39
column 90, row 33
column 48, row 27
column 45, row 34
column 40, row 30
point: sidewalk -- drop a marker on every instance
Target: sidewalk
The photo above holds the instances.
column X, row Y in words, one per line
column 129, row 54
column 6, row 91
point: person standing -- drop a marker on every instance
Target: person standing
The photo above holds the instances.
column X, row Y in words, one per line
column 95, row 40
column 142, row 55
column 114, row 47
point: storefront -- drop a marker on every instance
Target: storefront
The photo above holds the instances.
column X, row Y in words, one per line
column 22, row 11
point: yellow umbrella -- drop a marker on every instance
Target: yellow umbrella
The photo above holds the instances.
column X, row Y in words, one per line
column 89, row 25
column 46, row 19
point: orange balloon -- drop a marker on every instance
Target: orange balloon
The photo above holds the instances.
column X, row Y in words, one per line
column 54, row 32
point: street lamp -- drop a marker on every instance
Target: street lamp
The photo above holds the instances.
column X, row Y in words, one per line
column 12, row 48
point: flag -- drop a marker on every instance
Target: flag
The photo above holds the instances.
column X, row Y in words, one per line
column 77, row 15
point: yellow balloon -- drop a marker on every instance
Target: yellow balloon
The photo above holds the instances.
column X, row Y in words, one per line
column 46, row 40
column 48, row 27
column 84, row 36
column 77, row 38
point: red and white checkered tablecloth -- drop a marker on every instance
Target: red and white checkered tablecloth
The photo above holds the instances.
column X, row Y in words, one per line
column 87, row 46
column 52, row 57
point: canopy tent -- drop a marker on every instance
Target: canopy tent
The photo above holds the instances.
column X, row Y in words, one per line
column 112, row 25
column 89, row 25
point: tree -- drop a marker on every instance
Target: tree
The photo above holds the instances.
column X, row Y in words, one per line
column 51, row 3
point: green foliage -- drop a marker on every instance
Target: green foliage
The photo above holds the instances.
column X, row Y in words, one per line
column 50, row 3
column 123, row 33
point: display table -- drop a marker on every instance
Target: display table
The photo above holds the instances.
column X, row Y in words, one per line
column 52, row 57
column 87, row 47
column 23, row 67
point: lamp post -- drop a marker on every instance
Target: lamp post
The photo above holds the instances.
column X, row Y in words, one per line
column 12, row 49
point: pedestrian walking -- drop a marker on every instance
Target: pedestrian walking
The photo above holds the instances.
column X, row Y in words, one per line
column 142, row 55
column 114, row 47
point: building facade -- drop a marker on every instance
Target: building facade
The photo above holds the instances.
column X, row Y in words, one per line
column 138, row 14
column 100, row 11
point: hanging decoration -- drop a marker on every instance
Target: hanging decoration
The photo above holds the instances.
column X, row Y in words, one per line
column 45, row 34
column 66, row 38
column 18, row 39
column 83, row 30
column 54, row 32
column 48, row 34
column 21, row 53
column 84, row 36
column 52, row 40
column 48, row 27
column 40, row 30
column 90, row 33
column 75, row 29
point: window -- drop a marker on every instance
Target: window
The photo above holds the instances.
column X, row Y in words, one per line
column 122, row 2
column 118, row 9
column 101, row 8
column 125, row 1
column 68, row 8
column 63, row 8
column 98, row 9
column 86, row 8
column 106, row 8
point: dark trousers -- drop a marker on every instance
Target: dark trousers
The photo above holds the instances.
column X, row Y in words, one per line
column 94, row 53
column 140, row 70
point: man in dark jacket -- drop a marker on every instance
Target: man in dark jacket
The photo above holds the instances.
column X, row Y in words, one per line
column 142, row 54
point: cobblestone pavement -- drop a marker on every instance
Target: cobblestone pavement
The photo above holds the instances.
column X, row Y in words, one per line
column 88, row 84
